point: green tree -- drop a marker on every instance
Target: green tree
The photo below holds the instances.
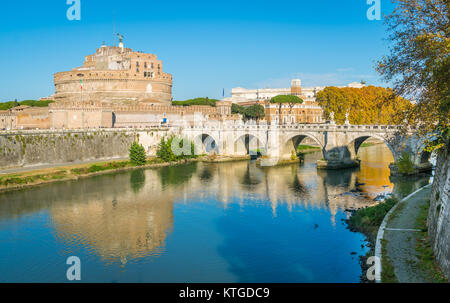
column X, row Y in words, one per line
column 137, row 154
column 237, row 109
column 166, row 153
column 291, row 100
column 255, row 112
column 418, row 64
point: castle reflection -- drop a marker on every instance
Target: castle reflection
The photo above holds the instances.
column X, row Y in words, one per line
column 127, row 216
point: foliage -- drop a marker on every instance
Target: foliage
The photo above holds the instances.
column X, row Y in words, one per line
column 405, row 164
column 166, row 153
column 294, row 155
column 196, row 101
column 253, row 112
column 33, row 103
column 97, row 167
column 419, row 64
column 366, row 105
column 286, row 99
column 237, row 109
column 137, row 154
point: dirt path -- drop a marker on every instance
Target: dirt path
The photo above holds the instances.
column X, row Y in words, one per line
column 399, row 234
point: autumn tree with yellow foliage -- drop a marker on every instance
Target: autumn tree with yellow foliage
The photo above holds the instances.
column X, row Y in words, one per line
column 366, row 105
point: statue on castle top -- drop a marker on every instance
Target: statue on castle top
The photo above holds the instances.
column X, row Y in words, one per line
column 120, row 38
column 346, row 119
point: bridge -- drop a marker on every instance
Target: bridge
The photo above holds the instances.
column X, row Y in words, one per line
column 339, row 143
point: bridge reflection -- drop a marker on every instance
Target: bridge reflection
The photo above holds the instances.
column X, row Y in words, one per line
column 127, row 216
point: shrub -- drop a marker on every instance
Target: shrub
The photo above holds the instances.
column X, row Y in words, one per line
column 166, row 153
column 405, row 164
column 137, row 154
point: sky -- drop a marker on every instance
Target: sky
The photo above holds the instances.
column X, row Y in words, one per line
column 207, row 46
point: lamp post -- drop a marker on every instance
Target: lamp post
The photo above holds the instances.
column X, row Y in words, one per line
column 81, row 99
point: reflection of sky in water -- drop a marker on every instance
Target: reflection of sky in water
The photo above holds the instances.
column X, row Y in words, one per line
column 229, row 222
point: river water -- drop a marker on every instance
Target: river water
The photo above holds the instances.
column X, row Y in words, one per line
column 227, row 222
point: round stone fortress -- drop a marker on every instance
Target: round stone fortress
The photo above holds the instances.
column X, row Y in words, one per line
column 116, row 75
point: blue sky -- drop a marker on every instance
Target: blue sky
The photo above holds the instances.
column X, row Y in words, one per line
column 206, row 45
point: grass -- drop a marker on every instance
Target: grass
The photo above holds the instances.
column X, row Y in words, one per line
column 366, row 144
column 23, row 179
column 306, row 147
column 387, row 269
column 368, row 220
column 424, row 252
column 61, row 173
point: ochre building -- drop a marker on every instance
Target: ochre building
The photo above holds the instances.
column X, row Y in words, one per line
column 116, row 75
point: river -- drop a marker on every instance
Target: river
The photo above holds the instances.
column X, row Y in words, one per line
column 199, row 222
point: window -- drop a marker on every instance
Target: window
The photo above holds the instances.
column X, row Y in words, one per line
column 137, row 70
column 152, row 65
column 137, row 64
column 145, row 64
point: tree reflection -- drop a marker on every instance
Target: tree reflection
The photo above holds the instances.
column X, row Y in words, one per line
column 176, row 175
column 137, row 180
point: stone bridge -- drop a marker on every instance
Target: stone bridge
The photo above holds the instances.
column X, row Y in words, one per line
column 339, row 143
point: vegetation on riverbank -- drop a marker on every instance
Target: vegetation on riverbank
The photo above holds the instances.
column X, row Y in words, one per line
column 367, row 221
column 425, row 255
column 185, row 149
column 405, row 164
column 307, row 148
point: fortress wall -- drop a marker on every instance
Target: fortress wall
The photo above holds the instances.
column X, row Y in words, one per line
column 439, row 213
column 33, row 147
column 28, row 148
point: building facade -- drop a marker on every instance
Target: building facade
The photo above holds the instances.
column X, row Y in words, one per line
column 307, row 112
column 116, row 75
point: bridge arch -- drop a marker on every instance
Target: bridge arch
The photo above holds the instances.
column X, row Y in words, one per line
column 205, row 144
column 294, row 140
column 355, row 144
column 248, row 143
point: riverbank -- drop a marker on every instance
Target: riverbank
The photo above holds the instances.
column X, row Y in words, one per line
column 396, row 232
column 367, row 221
column 47, row 175
column 406, row 253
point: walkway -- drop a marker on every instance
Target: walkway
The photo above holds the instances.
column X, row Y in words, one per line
column 400, row 236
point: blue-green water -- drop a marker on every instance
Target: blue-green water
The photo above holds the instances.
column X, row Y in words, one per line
column 228, row 222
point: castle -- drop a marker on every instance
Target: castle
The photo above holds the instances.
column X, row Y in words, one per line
column 116, row 75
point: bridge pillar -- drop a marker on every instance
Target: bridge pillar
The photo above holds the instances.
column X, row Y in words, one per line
column 337, row 152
